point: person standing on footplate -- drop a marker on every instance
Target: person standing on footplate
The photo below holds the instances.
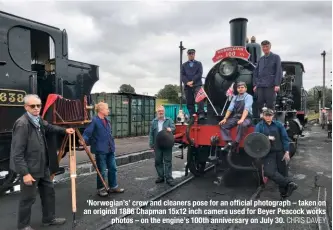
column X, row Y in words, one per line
column 99, row 135
column 29, row 158
column 267, row 77
column 276, row 161
column 239, row 113
column 163, row 157
column 191, row 73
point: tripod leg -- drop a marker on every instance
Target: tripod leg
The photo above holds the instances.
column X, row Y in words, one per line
column 62, row 149
column 61, row 152
column 72, row 165
column 91, row 158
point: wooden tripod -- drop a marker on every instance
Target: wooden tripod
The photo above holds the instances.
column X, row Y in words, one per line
column 62, row 152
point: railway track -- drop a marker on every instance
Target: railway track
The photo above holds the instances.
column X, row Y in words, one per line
column 109, row 224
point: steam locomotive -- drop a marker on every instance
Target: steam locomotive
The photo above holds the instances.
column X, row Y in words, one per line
column 34, row 60
column 236, row 63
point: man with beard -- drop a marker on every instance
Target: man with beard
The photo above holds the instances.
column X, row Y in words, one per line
column 239, row 113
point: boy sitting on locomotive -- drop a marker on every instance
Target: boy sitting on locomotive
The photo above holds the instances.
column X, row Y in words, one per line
column 240, row 110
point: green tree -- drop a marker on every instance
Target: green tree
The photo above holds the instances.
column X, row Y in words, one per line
column 170, row 92
column 124, row 88
column 313, row 97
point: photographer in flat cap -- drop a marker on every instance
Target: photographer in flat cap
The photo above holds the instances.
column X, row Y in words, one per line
column 161, row 140
column 239, row 113
column 267, row 77
column 276, row 161
column 191, row 73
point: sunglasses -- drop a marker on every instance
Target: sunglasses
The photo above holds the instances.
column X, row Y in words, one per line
column 35, row 106
column 191, row 53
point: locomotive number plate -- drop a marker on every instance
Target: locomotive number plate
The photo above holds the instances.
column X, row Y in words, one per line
column 11, row 97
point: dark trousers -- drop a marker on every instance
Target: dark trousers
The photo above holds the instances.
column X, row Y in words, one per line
column 190, row 93
column 28, row 197
column 266, row 96
column 232, row 122
column 276, row 170
column 107, row 161
column 163, row 163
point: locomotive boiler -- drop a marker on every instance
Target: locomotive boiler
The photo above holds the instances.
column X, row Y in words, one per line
column 35, row 60
column 237, row 63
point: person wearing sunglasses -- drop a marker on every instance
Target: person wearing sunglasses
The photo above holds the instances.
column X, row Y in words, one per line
column 276, row 161
column 29, row 158
column 191, row 73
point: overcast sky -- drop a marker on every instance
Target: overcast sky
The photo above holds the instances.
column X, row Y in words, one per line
column 137, row 42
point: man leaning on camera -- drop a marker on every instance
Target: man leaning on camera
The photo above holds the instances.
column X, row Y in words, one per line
column 29, row 158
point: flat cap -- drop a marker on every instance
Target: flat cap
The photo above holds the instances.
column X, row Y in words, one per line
column 267, row 111
column 191, row 51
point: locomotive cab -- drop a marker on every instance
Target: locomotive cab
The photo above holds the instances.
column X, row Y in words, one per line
column 34, row 60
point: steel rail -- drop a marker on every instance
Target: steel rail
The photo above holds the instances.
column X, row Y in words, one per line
column 108, row 224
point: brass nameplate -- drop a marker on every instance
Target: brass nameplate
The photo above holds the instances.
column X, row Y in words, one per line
column 12, row 97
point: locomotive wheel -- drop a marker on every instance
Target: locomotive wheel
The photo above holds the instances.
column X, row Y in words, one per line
column 196, row 167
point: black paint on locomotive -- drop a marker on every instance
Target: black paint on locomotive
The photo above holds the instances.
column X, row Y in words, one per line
column 218, row 81
column 34, row 59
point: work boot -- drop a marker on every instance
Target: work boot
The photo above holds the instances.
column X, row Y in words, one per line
column 26, row 228
column 170, row 182
column 102, row 192
column 291, row 187
column 235, row 147
column 55, row 221
column 159, row 180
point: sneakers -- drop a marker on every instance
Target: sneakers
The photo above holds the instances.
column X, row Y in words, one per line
column 26, row 228
column 102, row 192
column 117, row 190
column 55, row 221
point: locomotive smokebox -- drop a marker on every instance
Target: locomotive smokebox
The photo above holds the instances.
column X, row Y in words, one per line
column 238, row 31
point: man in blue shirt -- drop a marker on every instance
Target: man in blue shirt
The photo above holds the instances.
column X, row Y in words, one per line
column 240, row 112
column 275, row 162
column 99, row 135
column 191, row 73
column 267, row 77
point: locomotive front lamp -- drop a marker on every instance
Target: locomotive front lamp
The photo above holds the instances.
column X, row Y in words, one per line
column 228, row 67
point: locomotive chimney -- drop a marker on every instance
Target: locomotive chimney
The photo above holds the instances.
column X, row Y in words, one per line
column 238, row 31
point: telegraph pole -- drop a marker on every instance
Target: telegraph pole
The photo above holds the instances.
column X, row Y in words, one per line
column 323, row 54
column 181, row 49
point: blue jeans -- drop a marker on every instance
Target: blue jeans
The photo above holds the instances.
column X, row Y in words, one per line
column 107, row 161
